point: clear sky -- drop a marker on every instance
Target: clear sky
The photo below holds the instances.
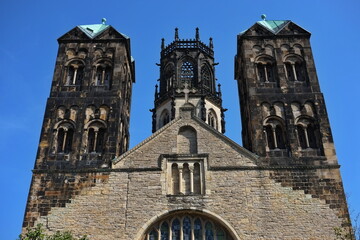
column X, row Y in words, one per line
column 28, row 49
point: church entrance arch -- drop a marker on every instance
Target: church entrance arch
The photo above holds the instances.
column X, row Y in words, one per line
column 188, row 225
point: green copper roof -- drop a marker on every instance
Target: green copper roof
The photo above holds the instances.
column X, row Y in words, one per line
column 273, row 25
column 94, row 29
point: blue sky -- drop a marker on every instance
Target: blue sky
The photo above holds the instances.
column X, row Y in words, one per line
column 28, row 49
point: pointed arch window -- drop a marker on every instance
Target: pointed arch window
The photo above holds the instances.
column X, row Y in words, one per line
column 212, row 119
column 164, row 118
column 169, row 78
column 206, row 77
column 187, row 227
column 187, row 72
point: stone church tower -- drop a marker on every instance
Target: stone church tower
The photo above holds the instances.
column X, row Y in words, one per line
column 188, row 181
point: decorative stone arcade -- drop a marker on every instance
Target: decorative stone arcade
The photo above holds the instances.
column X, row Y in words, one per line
column 187, row 75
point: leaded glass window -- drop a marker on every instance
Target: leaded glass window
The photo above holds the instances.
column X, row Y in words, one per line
column 187, row 227
column 187, row 72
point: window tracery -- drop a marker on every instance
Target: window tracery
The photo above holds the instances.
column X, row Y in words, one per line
column 206, row 77
column 212, row 119
column 187, row 72
column 187, row 227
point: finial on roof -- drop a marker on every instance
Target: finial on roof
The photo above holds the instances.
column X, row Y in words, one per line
column 162, row 44
column 176, row 34
column 211, row 44
column 103, row 20
column 263, row 17
column 197, row 35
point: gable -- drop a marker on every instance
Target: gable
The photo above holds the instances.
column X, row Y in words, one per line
column 171, row 140
column 293, row 29
column 274, row 27
column 92, row 32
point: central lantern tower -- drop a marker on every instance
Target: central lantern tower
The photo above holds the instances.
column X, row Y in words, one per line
column 187, row 76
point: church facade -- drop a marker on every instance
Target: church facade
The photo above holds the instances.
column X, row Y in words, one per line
column 187, row 180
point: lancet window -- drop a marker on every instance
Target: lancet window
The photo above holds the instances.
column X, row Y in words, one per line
column 206, row 77
column 169, row 78
column 187, row 227
column 212, row 119
column 164, row 118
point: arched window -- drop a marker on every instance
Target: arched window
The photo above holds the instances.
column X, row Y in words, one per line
column 188, row 226
column 164, row 118
column 307, row 133
column 75, row 73
column 275, row 134
column 187, row 140
column 175, row 179
column 103, row 74
column 185, row 178
column 197, row 179
column 295, row 69
column 169, row 78
column 265, row 69
column 96, row 137
column 64, row 139
column 212, row 119
column 206, row 77
column 175, row 229
column 187, row 72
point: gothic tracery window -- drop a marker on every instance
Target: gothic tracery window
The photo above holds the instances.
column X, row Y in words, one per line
column 212, row 119
column 187, row 72
column 187, row 227
column 206, row 77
